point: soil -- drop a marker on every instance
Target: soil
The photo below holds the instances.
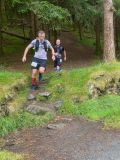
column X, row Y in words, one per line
column 68, row 139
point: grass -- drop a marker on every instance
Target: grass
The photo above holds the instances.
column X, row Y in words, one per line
column 22, row 120
column 5, row 155
column 71, row 84
column 19, row 100
column 9, row 81
column 15, row 84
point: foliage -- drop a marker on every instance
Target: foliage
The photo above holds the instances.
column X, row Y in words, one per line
column 49, row 14
column 84, row 12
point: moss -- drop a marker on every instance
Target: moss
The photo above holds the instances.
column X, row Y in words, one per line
column 11, row 83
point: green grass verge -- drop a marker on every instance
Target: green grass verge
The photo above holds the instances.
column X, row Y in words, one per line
column 9, row 81
column 22, row 120
column 5, row 155
column 71, row 84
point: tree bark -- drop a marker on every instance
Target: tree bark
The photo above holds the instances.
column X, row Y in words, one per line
column 36, row 23
column 80, row 31
column 1, row 37
column 116, row 34
column 55, row 36
column 3, row 11
column 32, row 24
column 109, row 42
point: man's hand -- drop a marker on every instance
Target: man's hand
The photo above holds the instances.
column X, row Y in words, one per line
column 24, row 59
column 25, row 52
column 53, row 57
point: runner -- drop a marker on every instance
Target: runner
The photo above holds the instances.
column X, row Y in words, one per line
column 41, row 46
column 59, row 51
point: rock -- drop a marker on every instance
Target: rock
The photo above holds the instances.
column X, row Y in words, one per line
column 56, row 126
column 31, row 97
column 37, row 108
column 104, row 83
column 58, row 105
column 76, row 99
column 10, row 143
column 45, row 94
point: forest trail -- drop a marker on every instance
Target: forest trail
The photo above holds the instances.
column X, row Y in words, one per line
column 71, row 139
column 67, row 138
column 77, row 55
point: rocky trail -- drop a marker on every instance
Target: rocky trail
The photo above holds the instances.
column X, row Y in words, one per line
column 67, row 137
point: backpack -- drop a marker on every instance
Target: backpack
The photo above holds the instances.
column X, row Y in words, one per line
column 37, row 45
column 61, row 49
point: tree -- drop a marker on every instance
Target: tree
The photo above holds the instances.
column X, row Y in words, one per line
column 109, row 43
column 1, row 37
column 50, row 15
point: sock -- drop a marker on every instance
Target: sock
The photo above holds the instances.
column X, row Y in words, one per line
column 40, row 76
column 34, row 81
column 58, row 68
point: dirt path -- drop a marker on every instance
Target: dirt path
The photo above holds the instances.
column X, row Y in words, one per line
column 77, row 55
column 66, row 138
column 72, row 139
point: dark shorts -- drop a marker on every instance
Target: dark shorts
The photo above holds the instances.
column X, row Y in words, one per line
column 57, row 62
column 37, row 63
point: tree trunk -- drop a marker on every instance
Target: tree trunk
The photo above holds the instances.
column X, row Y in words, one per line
column 55, row 36
column 36, row 22
column 49, row 34
column 109, row 42
column 116, row 34
column 32, row 24
column 80, row 31
column 97, row 34
column 1, row 37
column 3, row 11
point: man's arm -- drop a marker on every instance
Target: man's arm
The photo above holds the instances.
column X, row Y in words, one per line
column 26, row 52
column 65, row 55
column 52, row 50
column 53, row 54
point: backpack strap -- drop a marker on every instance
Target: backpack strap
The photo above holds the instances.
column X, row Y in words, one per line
column 60, row 49
column 45, row 45
column 37, row 45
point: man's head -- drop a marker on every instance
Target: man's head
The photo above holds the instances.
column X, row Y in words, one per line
column 41, row 35
column 58, row 42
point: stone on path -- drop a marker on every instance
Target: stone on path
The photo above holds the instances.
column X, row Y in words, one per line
column 45, row 94
column 58, row 105
column 37, row 108
column 56, row 126
column 31, row 97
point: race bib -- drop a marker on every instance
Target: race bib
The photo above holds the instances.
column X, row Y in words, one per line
column 60, row 60
column 34, row 64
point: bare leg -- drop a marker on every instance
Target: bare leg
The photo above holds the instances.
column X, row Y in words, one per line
column 41, row 70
